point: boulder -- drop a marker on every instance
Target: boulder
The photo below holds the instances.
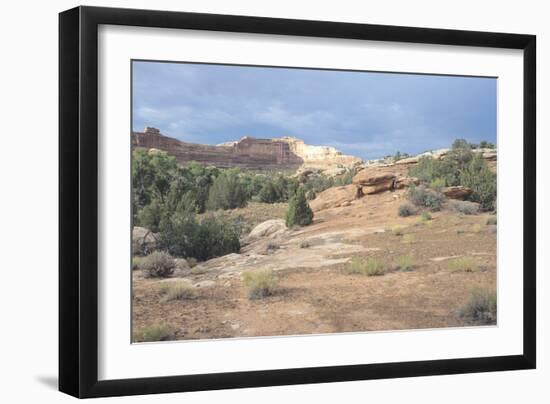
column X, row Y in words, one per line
column 373, row 181
column 182, row 267
column 457, row 192
column 144, row 240
column 405, row 182
column 335, row 197
column 268, row 229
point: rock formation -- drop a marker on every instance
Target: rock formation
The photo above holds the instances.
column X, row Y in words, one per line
column 248, row 152
column 457, row 192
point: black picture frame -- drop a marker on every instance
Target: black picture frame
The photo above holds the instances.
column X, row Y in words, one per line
column 78, row 201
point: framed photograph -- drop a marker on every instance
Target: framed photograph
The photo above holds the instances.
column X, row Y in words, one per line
column 250, row 201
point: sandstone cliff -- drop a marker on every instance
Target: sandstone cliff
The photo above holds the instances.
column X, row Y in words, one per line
column 248, row 152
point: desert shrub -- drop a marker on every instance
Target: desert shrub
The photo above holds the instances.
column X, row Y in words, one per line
column 158, row 264
column 481, row 307
column 184, row 236
column 462, row 264
column 405, row 263
column 465, row 207
column 369, row 267
column 437, row 184
column 136, row 260
column 478, row 177
column 305, row 244
column 398, row 230
column 260, row 284
column 155, row 333
column 227, row 192
column 425, row 216
column 491, row 221
column 406, row 209
column 176, row 290
column 421, row 196
column 408, row 238
column 299, row 213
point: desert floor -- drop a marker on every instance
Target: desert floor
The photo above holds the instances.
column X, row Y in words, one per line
column 315, row 292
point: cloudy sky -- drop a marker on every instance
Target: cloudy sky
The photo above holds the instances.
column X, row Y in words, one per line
column 360, row 113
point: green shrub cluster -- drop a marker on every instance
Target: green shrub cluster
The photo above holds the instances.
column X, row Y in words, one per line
column 185, row 236
column 227, row 192
column 424, row 197
column 461, row 166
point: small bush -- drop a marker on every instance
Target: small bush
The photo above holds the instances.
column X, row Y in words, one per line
column 464, row 207
column 369, row 267
column 491, row 221
column 158, row 264
column 305, row 244
column 421, row 196
column 405, row 263
column 260, row 284
column 408, row 238
column 176, row 291
column 481, row 307
column 407, row 209
column 398, row 230
column 155, row 333
column 462, row 264
column 425, row 216
column 299, row 213
column 437, row 184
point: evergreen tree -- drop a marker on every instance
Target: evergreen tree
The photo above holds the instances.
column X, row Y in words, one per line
column 299, row 213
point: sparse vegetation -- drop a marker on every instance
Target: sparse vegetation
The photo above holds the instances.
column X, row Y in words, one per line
column 406, row 209
column 136, row 261
column 481, row 307
column 305, row 244
column 369, row 267
column 464, row 207
column 158, row 264
column 425, row 216
column 408, row 238
column 299, row 213
column 462, row 264
column 154, row 333
column 405, row 263
column 260, row 283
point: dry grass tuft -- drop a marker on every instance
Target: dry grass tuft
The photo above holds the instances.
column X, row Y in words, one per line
column 369, row 267
column 260, row 284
